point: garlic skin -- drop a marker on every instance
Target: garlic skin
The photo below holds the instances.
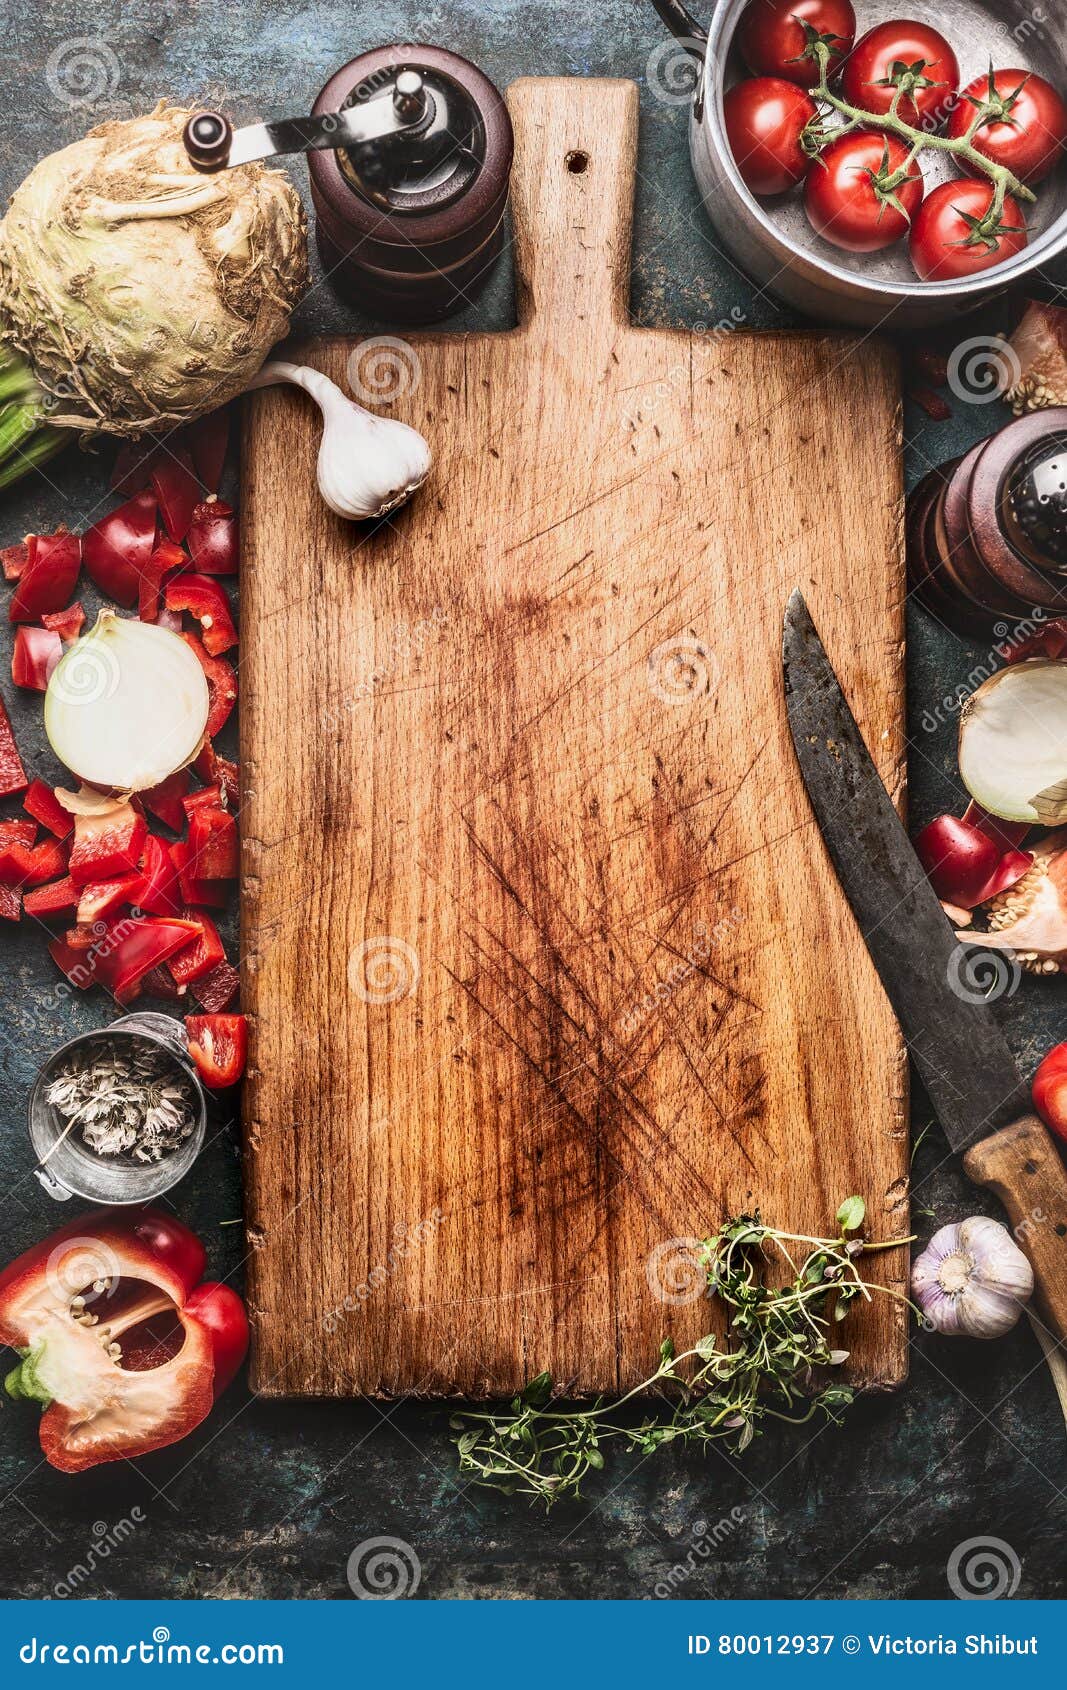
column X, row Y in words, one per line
column 972, row 1280
column 368, row 465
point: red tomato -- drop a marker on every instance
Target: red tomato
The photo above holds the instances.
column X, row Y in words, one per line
column 765, row 119
column 1026, row 125
column 862, row 193
column 951, row 235
column 1050, row 1090
column 907, row 55
column 778, row 37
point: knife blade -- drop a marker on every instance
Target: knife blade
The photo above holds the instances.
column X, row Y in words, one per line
column 954, row 1039
column 934, row 983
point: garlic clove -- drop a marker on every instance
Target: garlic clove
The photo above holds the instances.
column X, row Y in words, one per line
column 367, row 465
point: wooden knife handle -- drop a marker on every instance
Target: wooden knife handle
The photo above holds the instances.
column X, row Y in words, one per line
column 1022, row 1165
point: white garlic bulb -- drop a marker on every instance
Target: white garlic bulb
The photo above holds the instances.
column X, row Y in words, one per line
column 972, row 1279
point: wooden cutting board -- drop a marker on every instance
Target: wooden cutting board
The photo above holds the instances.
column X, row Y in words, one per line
column 547, row 968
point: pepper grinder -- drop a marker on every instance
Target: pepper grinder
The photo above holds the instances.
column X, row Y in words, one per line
column 409, row 155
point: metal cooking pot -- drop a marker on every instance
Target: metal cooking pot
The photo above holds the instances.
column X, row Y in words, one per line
column 773, row 241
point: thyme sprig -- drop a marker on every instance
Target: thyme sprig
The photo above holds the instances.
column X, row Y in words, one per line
column 542, row 1448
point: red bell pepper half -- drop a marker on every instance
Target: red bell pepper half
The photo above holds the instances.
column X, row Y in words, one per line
column 158, row 891
column 12, row 774
column 165, row 800
column 35, row 655
column 215, row 990
column 148, row 1267
column 116, row 549
column 213, row 538
column 221, row 686
column 49, row 578
column 214, row 853
column 199, row 958
column 174, row 484
column 58, row 895
column 68, row 623
column 204, row 599
column 107, row 845
column 218, row 1044
column 42, row 804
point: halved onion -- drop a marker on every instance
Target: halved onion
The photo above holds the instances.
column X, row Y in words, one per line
column 127, row 705
column 1013, row 743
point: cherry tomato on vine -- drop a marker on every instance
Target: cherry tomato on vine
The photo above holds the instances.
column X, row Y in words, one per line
column 862, row 192
column 1025, row 126
column 953, row 234
column 778, row 37
column 765, row 118
column 908, row 56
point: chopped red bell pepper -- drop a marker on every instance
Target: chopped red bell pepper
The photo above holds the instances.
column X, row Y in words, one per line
column 116, row 549
column 133, row 466
column 159, row 983
column 166, row 558
column 101, row 897
column 208, row 439
column 97, row 1409
column 158, row 892
column 213, row 538
column 202, row 596
column 108, row 845
column 200, row 958
column 49, row 578
column 49, row 900
column 15, row 559
column 10, row 903
column 68, row 623
column 165, row 800
column 42, row 804
column 221, row 686
column 215, row 990
column 214, row 852
column 36, row 653
column 218, row 1044
column 220, row 772
column 12, row 774
column 194, row 890
column 127, row 950
column 204, row 798
column 32, row 865
column 174, row 483
column 1050, row 640
column 17, row 832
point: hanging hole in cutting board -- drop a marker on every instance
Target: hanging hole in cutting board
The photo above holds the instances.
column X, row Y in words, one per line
column 577, row 163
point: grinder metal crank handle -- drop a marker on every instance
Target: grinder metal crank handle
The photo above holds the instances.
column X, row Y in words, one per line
column 1022, row 1166
column 212, row 142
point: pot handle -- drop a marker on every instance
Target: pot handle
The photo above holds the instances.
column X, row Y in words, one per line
column 683, row 24
column 1048, row 283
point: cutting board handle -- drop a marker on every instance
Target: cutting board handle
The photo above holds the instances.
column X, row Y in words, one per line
column 572, row 198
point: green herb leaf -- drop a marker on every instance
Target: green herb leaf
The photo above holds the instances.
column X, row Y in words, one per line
column 851, row 1214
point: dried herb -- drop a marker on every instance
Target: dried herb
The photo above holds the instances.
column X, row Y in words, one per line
column 710, row 1395
column 127, row 1099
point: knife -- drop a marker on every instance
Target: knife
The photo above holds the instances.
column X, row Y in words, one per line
column 951, row 1033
